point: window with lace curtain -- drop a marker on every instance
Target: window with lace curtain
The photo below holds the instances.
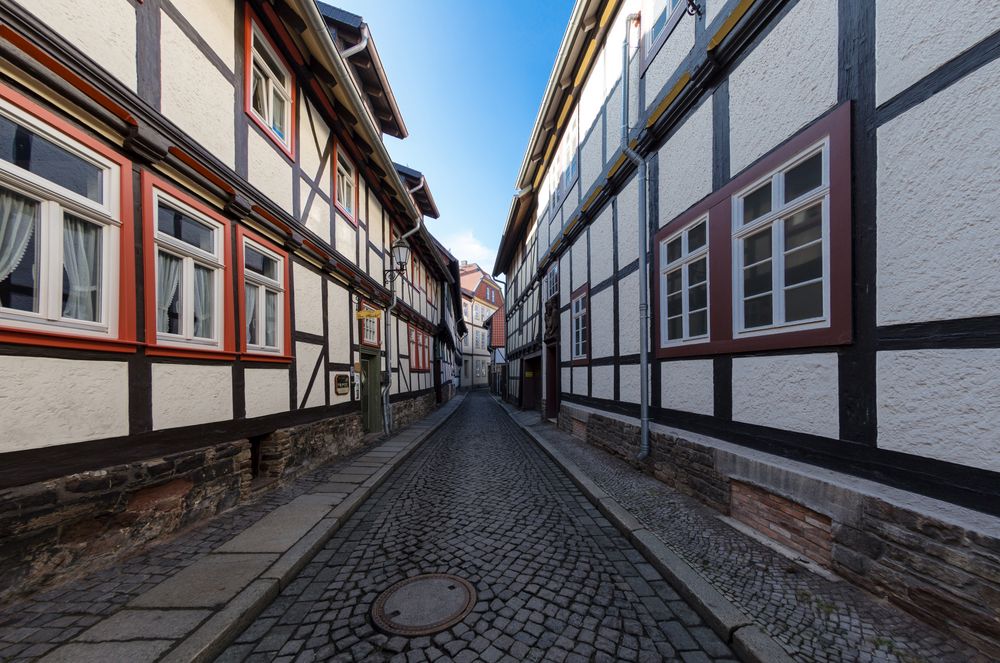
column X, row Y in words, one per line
column 264, row 295
column 59, row 229
column 189, row 274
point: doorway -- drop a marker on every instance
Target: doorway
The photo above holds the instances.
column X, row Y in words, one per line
column 371, row 393
column 552, row 380
column 530, row 383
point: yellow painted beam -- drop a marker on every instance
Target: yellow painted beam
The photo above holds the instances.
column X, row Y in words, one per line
column 584, row 67
column 609, row 11
column 730, row 23
column 669, row 99
column 618, row 164
column 592, row 198
column 562, row 114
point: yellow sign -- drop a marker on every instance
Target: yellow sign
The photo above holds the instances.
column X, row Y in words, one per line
column 367, row 313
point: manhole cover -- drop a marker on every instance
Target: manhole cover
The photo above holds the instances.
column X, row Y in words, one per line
column 423, row 605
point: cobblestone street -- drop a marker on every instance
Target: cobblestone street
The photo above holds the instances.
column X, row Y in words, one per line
column 555, row 580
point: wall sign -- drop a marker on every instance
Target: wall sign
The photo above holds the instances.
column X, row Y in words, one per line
column 342, row 384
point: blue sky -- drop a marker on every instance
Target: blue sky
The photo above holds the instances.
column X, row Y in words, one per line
column 469, row 77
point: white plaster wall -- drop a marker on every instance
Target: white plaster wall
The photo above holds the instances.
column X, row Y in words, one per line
column 613, row 115
column 565, row 377
column 668, row 58
column 686, row 164
column 374, row 218
column 785, row 82
column 185, row 395
column 564, row 289
column 603, row 382
column 590, row 159
column 790, row 392
column 346, row 237
column 103, row 29
column 214, row 21
column 318, row 215
column 268, row 170
column 602, row 246
column 938, row 218
column 688, row 385
column 306, row 355
column 334, row 398
column 628, row 223
column 197, row 97
column 579, row 250
column 266, row 391
column 308, row 299
column 315, row 136
column 628, row 314
column 602, row 321
column 628, row 383
column 565, row 347
column 942, row 404
column 913, row 38
column 712, row 8
column 580, row 380
column 341, row 317
column 56, row 401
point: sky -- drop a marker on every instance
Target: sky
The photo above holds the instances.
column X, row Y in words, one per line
column 468, row 77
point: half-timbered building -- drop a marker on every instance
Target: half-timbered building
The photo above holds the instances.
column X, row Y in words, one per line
column 198, row 224
column 751, row 249
column 481, row 296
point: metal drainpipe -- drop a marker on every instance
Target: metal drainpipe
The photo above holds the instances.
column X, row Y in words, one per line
column 640, row 162
column 360, row 46
column 387, row 387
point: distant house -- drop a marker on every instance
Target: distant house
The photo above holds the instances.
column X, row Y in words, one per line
column 481, row 296
column 496, row 331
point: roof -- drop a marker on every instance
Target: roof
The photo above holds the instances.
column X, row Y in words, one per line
column 497, row 324
column 424, row 199
column 349, row 30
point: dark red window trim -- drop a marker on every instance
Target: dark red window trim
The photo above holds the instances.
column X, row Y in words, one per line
column 125, row 340
column 420, row 350
column 837, row 126
column 365, row 305
column 150, row 181
column 251, row 18
column 582, row 291
column 353, row 218
column 256, row 355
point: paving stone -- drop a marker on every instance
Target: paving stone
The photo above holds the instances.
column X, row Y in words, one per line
column 145, row 624
column 105, row 652
column 209, row 582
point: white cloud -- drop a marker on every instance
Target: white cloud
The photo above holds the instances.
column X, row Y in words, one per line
column 465, row 246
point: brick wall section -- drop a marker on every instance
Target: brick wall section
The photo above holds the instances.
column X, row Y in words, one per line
column 289, row 451
column 788, row 523
column 409, row 410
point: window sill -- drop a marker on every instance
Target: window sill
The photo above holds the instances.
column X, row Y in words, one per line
column 580, row 361
column 189, row 352
column 268, row 357
column 66, row 341
column 344, row 213
column 806, row 338
column 287, row 150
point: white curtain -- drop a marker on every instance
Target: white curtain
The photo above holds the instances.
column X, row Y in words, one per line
column 251, row 298
column 17, row 221
column 270, row 323
column 82, row 262
column 168, row 272
column 203, row 302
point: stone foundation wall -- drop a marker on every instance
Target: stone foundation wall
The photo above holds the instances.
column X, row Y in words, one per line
column 929, row 561
column 289, row 451
column 407, row 411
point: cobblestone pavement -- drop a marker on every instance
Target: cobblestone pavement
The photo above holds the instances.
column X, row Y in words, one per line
column 813, row 618
column 555, row 580
column 33, row 627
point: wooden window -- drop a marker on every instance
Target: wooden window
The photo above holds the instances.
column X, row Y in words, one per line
column 270, row 87
column 684, row 285
column 420, row 350
column 552, row 281
column 369, row 329
column 580, row 321
column 345, row 185
column 264, row 307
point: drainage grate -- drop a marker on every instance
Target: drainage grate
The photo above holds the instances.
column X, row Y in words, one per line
column 423, row 604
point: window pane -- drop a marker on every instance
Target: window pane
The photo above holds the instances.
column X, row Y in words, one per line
column 81, row 287
column 757, row 247
column 804, row 302
column 270, row 318
column 674, row 281
column 698, row 324
column 204, row 301
column 179, row 225
column 757, row 203
column 26, row 149
column 804, row 177
column 697, row 297
column 257, row 262
column 19, row 260
column 675, row 328
column 278, row 114
column 272, row 64
column 697, row 271
column 675, row 304
column 757, row 279
column 258, row 92
column 674, row 249
column 169, row 286
column 757, row 312
column 804, row 227
column 804, row 264
column 696, row 237
column 251, row 313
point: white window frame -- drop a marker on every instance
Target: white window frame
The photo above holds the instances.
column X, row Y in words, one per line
column 552, row 281
column 579, row 335
column 258, row 42
column 370, row 330
column 190, row 256
column 672, row 16
column 55, row 201
column 352, row 179
column 687, row 257
column 775, row 220
column 264, row 284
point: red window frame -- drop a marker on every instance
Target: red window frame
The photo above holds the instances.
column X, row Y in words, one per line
column 367, row 306
column 125, row 341
column 149, row 181
column 419, row 350
column 836, row 126
column 255, row 355
column 582, row 292
column 251, row 18
column 353, row 218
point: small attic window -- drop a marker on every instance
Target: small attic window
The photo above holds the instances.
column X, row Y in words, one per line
column 270, row 89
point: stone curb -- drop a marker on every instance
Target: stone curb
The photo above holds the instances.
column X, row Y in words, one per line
column 730, row 623
column 218, row 631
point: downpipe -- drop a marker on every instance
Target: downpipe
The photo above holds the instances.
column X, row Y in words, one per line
column 640, row 163
column 387, row 379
